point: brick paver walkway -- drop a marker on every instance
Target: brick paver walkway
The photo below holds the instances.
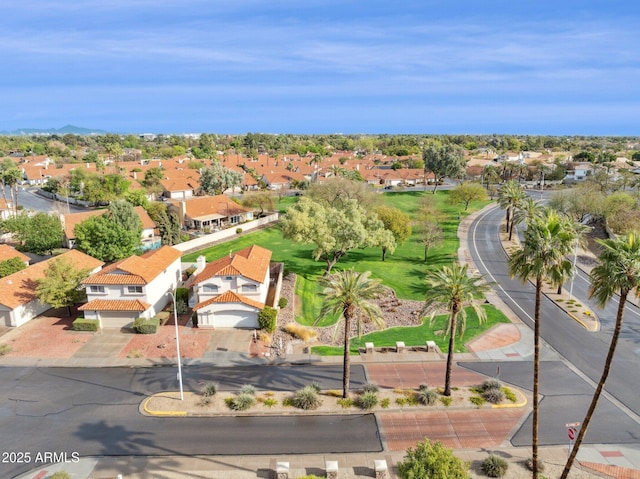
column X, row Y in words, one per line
column 411, row 375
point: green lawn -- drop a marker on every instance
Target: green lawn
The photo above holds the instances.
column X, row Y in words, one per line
column 418, row 335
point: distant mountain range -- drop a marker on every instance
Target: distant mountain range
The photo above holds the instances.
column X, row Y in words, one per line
column 68, row 129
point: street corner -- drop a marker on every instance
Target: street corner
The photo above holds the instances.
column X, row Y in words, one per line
column 521, row 400
column 163, row 404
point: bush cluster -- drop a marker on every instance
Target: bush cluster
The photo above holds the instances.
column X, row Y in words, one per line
column 301, row 332
column 494, row 466
column 209, row 389
column 427, row 396
column 432, row 459
column 82, row 324
column 282, row 303
column 146, row 326
column 306, row 398
column 368, row 400
column 267, row 319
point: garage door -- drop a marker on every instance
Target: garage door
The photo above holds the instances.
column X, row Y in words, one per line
column 117, row 319
column 5, row 318
column 236, row 319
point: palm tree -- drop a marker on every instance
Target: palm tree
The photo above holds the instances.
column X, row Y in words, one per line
column 526, row 211
column 618, row 272
column 455, row 289
column 547, row 241
column 348, row 293
column 510, row 196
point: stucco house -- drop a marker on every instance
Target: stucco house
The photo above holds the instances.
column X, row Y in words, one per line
column 209, row 212
column 148, row 236
column 133, row 287
column 18, row 301
column 7, row 252
column 231, row 291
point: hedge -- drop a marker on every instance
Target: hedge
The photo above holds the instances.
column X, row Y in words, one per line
column 267, row 319
column 146, row 326
column 82, row 324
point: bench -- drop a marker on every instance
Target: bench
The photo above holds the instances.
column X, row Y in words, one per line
column 431, row 346
column 282, row 470
column 380, row 468
column 331, row 468
column 368, row 347
column 400, row 346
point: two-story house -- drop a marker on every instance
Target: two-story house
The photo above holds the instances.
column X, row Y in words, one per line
column 231, row 291
column 133, row 287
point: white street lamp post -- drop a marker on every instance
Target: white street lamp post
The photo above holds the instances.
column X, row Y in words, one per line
column 575, row 259
column 175, row 318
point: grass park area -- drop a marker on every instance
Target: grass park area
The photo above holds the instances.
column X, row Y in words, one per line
column 403, row 270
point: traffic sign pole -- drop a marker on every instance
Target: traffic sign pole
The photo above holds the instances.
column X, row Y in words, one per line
column 571, row 433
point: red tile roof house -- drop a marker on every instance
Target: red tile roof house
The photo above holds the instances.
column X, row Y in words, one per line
column 212, row 212
column 231, row 291
column 133, row 287
column 8, row 252
column 148, row 236
column 18, row 301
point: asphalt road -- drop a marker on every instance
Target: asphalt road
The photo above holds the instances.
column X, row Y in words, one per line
column 585, row 350
column 95, row 411
column 29, row 200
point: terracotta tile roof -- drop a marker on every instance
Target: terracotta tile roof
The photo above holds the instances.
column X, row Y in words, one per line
column 206, row 206
column 229, row 297
column 251, row 262
column 136, row 270
column 7, row 252
column 71, row 220
column 19, row 288
column 115, row 305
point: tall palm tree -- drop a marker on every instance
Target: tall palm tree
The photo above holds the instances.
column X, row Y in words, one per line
column 456, row 290
column 510, row 196
column 618, row 272
column 526, row 211
column 547, row 242
column 348, row 293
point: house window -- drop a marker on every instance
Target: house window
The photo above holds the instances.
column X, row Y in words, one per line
column 96, row 289
column 228, row 278
column 210, row 288
column 249, row 288
column 134, row 289
column 234, row 220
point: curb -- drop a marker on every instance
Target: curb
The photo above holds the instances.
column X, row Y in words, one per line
column 522, row 401
column 151, row 412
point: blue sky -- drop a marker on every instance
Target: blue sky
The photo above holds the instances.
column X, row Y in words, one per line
column 560, row 67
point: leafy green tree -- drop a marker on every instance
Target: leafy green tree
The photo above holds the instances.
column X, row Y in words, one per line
column 444, row 161
column 617, row 274
column 61, row 285
column 432, row 460
column 152, row 177
column 334, row 231
column 39, row 234
column 137, row 198
column 454, row 289
column 429, row 234
column 11, row 265
column 542, row 256
column 510, row 196
column 112, row 236
column 336, row 192
column 168, row 223
column 349, row 294
column 216, row 179
column 259, row 199
column 396, row 222
column 579, row 202
column 466, row 193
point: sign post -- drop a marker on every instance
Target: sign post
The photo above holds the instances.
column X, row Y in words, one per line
column 572, row 431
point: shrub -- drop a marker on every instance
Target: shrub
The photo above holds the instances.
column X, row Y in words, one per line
column 529, row 464
column 336, row 393
column 60, row 475
column 248, row 389
column 146, row 326
column 306, row 398
column 182, row 306
column 384, row 404
column 491, row 384
column 267, row 319
column 446, row 400
column 427, row 396
column 494, row 396
column 310, row 476
column 182, row 294
column 494, row 466
column 370, row 388
column 282, row 303
column 301, row 332
column 265, row 337
column 82, row 324
column 509, row 394
column 270, row 402
column 242, row 402
column 368, row 400
column 431, row 459
column 345, row 403
column 4, row 349
column 209, row 389
column 315, row 385
column 477, row 400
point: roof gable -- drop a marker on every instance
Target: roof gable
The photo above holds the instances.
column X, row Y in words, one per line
column 251, row 262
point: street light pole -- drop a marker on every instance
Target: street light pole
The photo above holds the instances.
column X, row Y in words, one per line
column 175, row 318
